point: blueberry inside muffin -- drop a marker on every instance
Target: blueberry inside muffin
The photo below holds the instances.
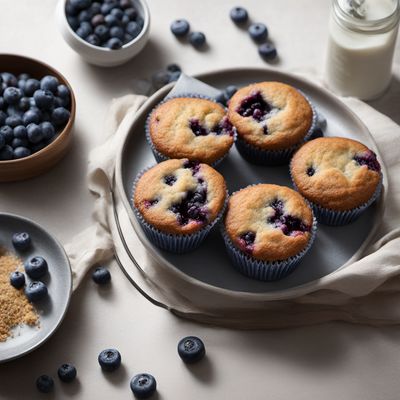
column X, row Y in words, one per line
column 180, row 196
column 271, row 115
column 193, row 128
column 336, row 173
column 269, row 222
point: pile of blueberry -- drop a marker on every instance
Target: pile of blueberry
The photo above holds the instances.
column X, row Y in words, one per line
column 181, row 27
column 32, row 112
column 36, row 268
column 104, row 23
column 257, row 31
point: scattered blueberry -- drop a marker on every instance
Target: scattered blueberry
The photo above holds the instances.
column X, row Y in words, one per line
column 258, row 32
column 101, row 276
column 239, row 15
column 180, row 27
column 66, row 373
column 191, row 349
column 143, row 385
column 174, row 68
column 22, row 241
column 36, row 267
column 17, row 279
column 109, row 360
column 197, row 39
column 36, row 291
column 267, row 51
column 45, row 384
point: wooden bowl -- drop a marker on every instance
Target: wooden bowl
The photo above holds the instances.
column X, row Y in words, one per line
column 43, row 160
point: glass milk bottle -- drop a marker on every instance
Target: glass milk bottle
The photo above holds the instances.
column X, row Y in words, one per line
column 362, row 37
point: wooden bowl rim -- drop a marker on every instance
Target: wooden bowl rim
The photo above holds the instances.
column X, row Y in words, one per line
column 67, row 127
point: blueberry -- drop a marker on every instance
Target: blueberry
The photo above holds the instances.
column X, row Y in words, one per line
column 2, row 141
column 67, row 373
column 38, row 146
column 114, row 43
column 84, row 16
column 31, row 86
column 70, row 10
column 73, row 22
column 60, row 115
column 131, row 13
column 124, row 4
column 117, row 32
column 19, row 143
column 111, row 20
column 20, row 132
column 180, row 27
column 45, row 384
column 23, row 77
column 7, row 132
column 44, row 98
column 174, row 68
column 21, row 152
column 133, row 28
column 6, row 153
column 2, row 104
column 9, row 79
column 36, row 291
column 81, row 4
column 36, row 267
column 95, row 8
column 35, row 134
column 174, row 76
column 230, row 91
column 117, row 12
column 239, row 15
column 21, row 85
column 3, row 117
column 98, row 19
column 143, row 385
column 128, row 38
column 107, row 7
column 101, row 276
column 267, row 51
column 258, row 32
column 47, row 130
column 160, row 79
column 49, row 83
column 197, row 39
column 84, row 30
column 17, row 279
column 31, row 116
column 94, row 40
column 14, row 110
column 109, row 360
column 12, row 95
column 24, row 104
column 13, row 121
column 191, row 349
column 102, row 32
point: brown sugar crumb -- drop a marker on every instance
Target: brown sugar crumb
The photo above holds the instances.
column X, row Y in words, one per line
column 15, row 308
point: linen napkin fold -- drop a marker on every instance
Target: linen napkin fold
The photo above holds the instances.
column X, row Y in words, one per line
column 367, row 291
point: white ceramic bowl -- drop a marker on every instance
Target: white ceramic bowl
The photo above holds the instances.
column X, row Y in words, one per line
column 98, row 55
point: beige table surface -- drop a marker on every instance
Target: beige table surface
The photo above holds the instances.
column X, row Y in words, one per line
column 333, row 361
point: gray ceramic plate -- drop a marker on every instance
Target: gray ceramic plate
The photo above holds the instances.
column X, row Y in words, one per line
column 334, row 247
column 59, row 282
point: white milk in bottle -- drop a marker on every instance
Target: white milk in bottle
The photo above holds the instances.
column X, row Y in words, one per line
column 362, row 37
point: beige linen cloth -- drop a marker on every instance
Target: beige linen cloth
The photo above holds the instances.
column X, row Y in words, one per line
column 365, row 292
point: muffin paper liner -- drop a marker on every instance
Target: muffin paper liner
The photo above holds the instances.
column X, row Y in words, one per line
column 327, row 216
column 265, row 270
column 174, row 243
column 259, row 156
column 161, row 157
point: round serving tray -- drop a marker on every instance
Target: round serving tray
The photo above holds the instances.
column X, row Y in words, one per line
column 209, row 265
column 59, row 282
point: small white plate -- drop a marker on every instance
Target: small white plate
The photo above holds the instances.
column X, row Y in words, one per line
column 59, row 283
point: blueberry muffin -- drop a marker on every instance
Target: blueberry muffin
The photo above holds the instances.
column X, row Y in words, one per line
column 178, row 202
column 271, row 119
column 193, row 128
column 267, row 230
column 340, row 177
